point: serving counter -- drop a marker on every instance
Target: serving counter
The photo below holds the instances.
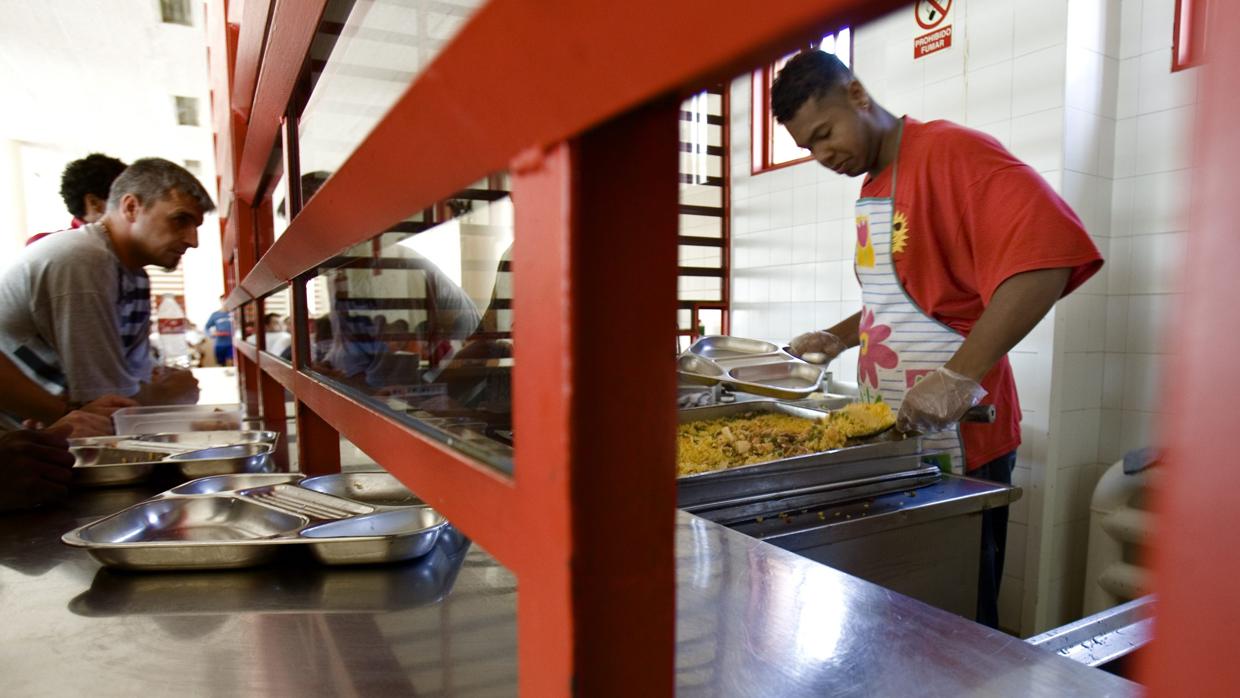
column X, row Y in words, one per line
column 752, row 620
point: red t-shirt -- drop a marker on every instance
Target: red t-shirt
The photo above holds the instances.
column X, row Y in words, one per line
column 977, row 216
column 75, row 223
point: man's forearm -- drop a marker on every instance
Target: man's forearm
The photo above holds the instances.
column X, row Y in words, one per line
column 1017, row 306
column 848, row 330
column 25, row 398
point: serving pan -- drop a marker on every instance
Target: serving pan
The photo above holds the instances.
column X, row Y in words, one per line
column 749, row 365
column 242, row 520
column 885, row 455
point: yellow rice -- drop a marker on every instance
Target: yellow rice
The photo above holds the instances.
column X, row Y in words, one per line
column 748, row 438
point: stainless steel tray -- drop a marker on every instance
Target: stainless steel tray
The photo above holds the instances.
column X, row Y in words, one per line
column 290, row 588
column 887, row 454
column 122, row 460
column 749, row 365
column 231, row 521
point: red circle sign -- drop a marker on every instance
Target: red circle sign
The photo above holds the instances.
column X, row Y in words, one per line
column 931, row 13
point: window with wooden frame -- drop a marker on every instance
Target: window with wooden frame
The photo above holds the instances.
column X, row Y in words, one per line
column 773, row 148
column 1189, row 41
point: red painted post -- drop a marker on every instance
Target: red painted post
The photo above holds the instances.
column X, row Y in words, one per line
column 318, row 443
column 1197, row 536
column 595, row 295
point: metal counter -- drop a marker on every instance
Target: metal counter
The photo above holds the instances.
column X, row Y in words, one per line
column 753, row 620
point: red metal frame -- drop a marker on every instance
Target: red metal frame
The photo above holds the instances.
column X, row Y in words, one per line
column 579, row 234
column 593, row 476
column 295, row 22
column 1198, row 531
column 253, row 33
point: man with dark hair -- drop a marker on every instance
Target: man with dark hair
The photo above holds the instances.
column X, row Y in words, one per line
column 84, row 186
column 75, row 309
column 961, row 250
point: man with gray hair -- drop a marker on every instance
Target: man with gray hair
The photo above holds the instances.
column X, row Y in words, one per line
column 75, row 310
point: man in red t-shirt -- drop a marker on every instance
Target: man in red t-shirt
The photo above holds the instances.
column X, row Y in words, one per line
column 84, row 185
column 962, row 249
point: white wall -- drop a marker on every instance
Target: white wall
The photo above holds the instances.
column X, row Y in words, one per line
column 1082, row 91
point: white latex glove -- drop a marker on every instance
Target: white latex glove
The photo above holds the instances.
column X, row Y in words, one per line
column 819, row 342
column 938, row 401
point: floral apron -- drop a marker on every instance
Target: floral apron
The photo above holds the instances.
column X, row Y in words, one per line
column 899, row 342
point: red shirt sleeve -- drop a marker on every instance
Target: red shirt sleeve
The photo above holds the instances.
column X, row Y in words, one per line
column 1014, row 222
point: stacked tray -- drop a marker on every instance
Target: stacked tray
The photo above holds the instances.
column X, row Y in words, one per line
column 125, row 460
column 889, row 456
column 748, row 365
column 232, row 521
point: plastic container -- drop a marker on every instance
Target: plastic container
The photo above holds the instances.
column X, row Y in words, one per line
column 160, row 419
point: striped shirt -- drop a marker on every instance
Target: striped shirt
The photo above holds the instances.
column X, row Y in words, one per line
column 74, row 319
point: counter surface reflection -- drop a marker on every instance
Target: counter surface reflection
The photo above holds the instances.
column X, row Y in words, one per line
column 754, row 620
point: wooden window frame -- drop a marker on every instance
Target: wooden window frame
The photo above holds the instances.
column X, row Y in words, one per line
column 1190, row 35
column 762, row 132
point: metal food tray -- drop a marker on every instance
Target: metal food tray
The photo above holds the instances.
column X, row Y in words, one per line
column 277, row 589
column 124, row 460
column 888, row 454
column 232, row 521
column 749, row 365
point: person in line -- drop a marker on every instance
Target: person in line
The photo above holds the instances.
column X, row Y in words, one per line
column 277, row 338
column 75, row 310
column 84, row 186
column 961, row 250
column 220, row 329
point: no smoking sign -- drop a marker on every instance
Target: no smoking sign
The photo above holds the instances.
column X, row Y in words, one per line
column 932, row 15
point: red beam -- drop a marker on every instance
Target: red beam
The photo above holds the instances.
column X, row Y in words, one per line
column 597, row 477
column 249, row 50
column 318, row 443
column 293, row 23
column 1197, row 535
column 576, row 62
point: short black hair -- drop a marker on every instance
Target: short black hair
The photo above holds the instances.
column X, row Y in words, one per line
column 92, row 174
column 808, row 75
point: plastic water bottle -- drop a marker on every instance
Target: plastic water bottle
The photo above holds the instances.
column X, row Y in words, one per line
column 170, row 321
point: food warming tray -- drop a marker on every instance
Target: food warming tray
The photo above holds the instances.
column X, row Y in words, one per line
column 749, row 365
column 231, row 521
column 124, row 460
column 887, row 456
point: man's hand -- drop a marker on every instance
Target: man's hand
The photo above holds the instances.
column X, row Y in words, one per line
column 76, row 425
column 170, row 386
column 938, row 401
column 34, row 467
column 817, row 342
column 107, row 404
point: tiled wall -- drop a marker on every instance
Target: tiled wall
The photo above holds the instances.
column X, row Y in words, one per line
column 1126, row 169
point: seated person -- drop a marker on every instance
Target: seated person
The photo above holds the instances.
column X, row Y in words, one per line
column 35, row 464
column 278, row 340
column 75, row 309
column 23, row 400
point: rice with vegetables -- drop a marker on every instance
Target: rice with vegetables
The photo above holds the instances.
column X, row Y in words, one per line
column 752, row 437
